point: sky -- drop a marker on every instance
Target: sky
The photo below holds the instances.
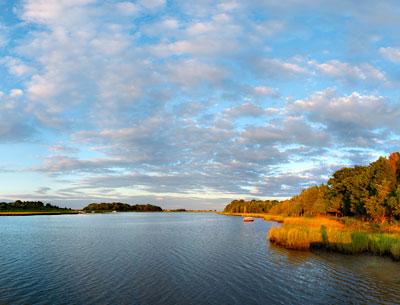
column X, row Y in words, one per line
column 192, row 103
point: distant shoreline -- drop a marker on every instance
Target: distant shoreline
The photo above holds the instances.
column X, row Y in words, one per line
column 33, row 213
column 75, row 212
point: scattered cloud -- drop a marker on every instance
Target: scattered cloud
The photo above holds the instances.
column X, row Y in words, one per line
column 127, row 8
column 390, row 53
column 355, row 119
column 349, row 72
column 280, row 69
column 204, row 99
column 43, row 190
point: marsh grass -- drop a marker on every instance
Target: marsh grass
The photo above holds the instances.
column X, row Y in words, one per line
column 345, row 235
column 277, row 218
column 257, row 215
column 315, row 222
column 295, row 237
column 340, row 239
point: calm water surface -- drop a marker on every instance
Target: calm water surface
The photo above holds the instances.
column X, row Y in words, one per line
column 176, row 258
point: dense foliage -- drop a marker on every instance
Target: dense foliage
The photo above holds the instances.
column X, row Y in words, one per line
column 253, row 206
column 121, row 207
column 309, row 202
column 31, row 206
column 370, row 192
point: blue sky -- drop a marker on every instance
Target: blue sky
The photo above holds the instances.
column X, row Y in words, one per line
column 192, row 103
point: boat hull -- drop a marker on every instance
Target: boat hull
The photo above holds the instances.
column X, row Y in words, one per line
column 248, row 219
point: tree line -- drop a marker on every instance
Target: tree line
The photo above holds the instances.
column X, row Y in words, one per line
column 29, row 206
column 370, row 192
column 251, row 206
column 121, row 207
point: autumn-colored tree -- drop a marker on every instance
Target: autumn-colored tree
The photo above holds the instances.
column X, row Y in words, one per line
column 393, row 204
column 394, row 161
column 371, row 192
column 250, row 206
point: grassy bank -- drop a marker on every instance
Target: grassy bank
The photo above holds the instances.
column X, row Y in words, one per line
column 258, row 215
column 266, row 217
column 340, row 235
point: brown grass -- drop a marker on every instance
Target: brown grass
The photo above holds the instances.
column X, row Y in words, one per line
column 314, row 222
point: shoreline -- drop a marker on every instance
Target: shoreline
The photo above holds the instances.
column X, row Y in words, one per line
column 265, row 216
column 75, row 212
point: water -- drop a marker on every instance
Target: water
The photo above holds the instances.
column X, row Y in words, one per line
column 176, row 258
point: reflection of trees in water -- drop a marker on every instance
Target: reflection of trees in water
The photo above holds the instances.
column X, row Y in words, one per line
column 374, row 277
column 293, row 257
column 365, row 278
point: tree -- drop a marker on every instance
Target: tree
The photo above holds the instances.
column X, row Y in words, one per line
column 393, row 205
column 351, row 185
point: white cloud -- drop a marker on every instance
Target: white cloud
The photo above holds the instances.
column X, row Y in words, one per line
column 16, row 93
column 199, row 28
column 127, row 8
column 41, row 88
column 16, row 66
column 278, row 68
column 170, row 23
column 228, row 6
column 43, row 190
column 291, row 130
column 356, row 119
column 3, row 40
column 263, row 90
column 268, row 28
column 363, row 72
column 390, row 53
column 50, row 11
column 152, row 4
column 218, row 36
column 246, row 109
column 65, row 164
column 367, row 111
column 62, row 149
column 193, row 72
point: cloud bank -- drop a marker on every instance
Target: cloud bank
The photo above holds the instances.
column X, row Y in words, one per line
column 192, row 103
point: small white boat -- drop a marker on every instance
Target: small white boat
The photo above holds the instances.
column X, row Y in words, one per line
column 248, row 219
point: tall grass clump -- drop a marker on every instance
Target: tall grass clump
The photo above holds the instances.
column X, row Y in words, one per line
column 300, row 237
column 395, row 250
column 382, row 244
column 294, row 237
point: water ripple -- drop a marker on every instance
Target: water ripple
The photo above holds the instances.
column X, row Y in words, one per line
column 176, row 259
